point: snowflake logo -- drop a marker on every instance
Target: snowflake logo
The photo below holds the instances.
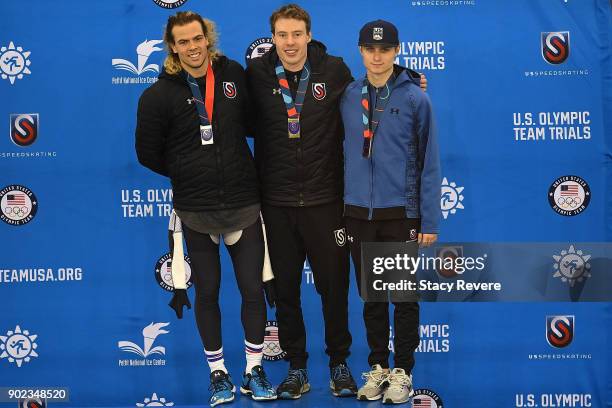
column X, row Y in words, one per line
column 572, row 266
column 154, row 402
column 18, row 346
column 451, row 198
column 14, row 62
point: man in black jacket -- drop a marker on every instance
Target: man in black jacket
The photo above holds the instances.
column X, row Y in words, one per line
column 191, row 127
column 296, row 88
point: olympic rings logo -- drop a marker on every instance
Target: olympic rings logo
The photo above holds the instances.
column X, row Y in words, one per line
column 16, row 211
column 569, row 202
column 272, row 348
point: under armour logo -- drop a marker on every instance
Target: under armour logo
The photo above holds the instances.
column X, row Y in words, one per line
column 190, row 100
column 276, row 91
column 394, row 111
column 350, row 238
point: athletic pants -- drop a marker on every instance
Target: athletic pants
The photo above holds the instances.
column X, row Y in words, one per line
column 295, row 233
column 247, row 257
column 376, row 314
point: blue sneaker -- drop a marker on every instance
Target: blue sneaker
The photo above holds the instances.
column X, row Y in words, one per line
column 221, row 387
column 294, row 385
column 256, row 385
column 342, row 382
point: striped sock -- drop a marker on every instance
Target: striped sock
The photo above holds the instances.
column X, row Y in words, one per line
column 254, row 352
column 215, row 360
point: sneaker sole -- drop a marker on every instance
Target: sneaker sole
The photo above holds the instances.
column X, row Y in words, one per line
column 222, row 401
column 245, row 391
column 389, row 401
column 343, row 393
column 364, row 398
column 286, row 395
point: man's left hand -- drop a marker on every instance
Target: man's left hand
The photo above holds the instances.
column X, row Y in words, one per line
column 426, row 240
column 423, row 83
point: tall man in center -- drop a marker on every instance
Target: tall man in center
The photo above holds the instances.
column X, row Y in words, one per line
column 296, row 89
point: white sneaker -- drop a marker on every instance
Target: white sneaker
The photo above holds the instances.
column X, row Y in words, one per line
column 376, row 383
column 400, row 387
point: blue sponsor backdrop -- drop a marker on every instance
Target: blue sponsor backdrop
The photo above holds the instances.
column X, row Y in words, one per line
column 80, row 276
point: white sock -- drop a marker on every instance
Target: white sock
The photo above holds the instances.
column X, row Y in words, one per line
column 254, row 353
column 215, row 360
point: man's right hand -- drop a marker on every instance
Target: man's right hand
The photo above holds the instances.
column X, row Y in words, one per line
column 179, row 300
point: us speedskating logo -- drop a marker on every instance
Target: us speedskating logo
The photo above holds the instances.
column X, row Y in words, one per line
column 555, row 46
column 258, row 48
column 18, row 205
column 319, row 91
column 271, row 349
column 559, row 330
column 18, row 346
column 340, row 236
column 572, row 266
column 451, row 198
column 24, row 128
column 229, row 89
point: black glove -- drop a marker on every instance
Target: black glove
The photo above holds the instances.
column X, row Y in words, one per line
column 270, row 291
column 179, row 300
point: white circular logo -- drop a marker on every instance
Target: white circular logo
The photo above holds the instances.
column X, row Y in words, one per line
column 258, row 48
column 14, row 62
column 569, row 195
column 426, row 398
column 18, row 205
column 163, row 272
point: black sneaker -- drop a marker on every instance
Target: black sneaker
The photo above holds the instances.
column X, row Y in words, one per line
column 342, row 382
column 294, row 385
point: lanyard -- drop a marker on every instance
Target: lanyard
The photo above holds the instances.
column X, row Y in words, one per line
column 205, row 115
column 293, row 108
column 369, row 128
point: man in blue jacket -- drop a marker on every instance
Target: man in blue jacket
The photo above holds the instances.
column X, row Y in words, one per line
column 391, row 192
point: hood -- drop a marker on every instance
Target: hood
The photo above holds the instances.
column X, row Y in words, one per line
column 406, row 75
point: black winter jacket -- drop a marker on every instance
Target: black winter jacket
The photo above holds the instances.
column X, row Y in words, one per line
column 210, row 177
column 305, row 171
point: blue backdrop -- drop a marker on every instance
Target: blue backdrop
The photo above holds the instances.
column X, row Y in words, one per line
column 522, row 93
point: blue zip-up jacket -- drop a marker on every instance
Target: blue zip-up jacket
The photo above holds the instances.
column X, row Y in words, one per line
column 403, row 172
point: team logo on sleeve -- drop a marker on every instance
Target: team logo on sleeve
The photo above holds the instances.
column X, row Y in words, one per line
column 555, row 46
column 559, row 330
column 318, row 90
column 229, row 89
column 24, row 128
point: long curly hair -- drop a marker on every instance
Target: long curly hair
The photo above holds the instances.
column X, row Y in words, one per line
column 172, row 64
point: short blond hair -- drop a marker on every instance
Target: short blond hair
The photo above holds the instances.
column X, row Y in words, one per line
column 172, row 64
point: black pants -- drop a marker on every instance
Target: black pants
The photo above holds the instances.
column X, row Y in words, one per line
column 247, row 257
column 317, row 233
column 376, row 314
